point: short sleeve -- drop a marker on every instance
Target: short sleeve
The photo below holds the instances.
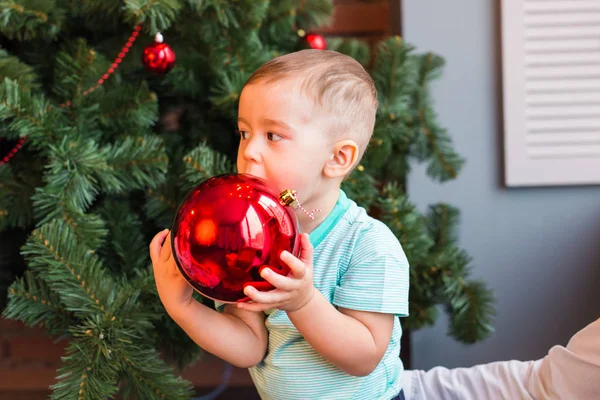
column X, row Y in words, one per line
column 377, row 277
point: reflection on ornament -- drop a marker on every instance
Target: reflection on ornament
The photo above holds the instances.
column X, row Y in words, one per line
column 206, row 232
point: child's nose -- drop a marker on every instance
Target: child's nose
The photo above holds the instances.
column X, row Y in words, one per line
column 251, row 151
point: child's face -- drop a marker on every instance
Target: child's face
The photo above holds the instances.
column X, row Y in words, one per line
column 282, row 140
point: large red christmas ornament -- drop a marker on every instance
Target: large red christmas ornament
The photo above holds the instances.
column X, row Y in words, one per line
column 227, row 229
column 158, row 57
column 316, row 41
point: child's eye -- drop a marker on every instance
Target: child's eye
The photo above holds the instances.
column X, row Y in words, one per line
column 273, row 137
column 243, row 134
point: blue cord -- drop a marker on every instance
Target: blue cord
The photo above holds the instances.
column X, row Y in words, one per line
column 222, row 386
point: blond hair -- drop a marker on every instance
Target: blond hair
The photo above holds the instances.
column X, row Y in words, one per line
column 337, row 84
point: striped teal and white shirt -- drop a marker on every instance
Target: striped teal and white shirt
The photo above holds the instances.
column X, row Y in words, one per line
column 358, row 264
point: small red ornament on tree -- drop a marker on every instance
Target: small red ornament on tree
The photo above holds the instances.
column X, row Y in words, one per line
column 158, row 57
column 227, row 229
column 316, row 41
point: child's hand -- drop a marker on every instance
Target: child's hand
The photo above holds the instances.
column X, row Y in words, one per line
column 291, row 292
column 174, row 291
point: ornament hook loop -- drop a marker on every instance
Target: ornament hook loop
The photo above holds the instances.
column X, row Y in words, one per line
column 289, row 198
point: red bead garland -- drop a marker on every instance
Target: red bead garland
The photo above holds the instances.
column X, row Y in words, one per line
column 105, row 76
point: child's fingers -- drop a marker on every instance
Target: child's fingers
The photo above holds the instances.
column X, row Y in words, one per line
column 271, row 297
column 165, row 252
column 306, row 252
column 260, row 285
column 277, row 280
column 156, row 245
column 297, row 267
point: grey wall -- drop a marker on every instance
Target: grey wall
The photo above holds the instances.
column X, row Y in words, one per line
column 537, row 248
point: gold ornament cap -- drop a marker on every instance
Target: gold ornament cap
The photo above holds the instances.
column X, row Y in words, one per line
column 287, row 198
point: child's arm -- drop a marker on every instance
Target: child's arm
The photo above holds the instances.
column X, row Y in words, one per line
column 237, row 336
column 354, row 341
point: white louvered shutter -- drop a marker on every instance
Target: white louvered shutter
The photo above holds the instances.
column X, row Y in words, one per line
column 551, row 92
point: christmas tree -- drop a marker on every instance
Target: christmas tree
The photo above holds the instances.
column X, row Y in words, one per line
column 98, row 152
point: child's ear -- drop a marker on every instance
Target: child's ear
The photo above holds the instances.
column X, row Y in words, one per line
column 343, row 158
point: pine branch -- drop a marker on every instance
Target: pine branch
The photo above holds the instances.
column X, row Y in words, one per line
column 11, row 67
column 148, row 377
column 89, row 229
column 126, row 249
column 196, row 6
column 31, row 301
column 77, row 69
column 442, row 279
column 247, row 54
column 442, row 222
column 127, row 108
column 202, row 163
column 395, row 73
column 284, row 17
column 71, row 270
column 226, row 92
column 134, row 163
column 471, row 309
column 387, row 155
column 77, row 167
column 95, row 8
column 71, row 172
column 313, row 13
column 233, row 39
column 30, row 115
column 161, row 203
column 84, row 120
column 15, row 204
column 26, row 20
column 176, row 346
column 238, row 15
column 405, row 221
column 432, row 142
column 102, row 359
column 425, row 287
column 220, row 11
column 445, row 163
column 133, row 319
column 280, row 27
column 88, row 372
column 380, row 148
column 357, row 49
column 155, row 15
column 420, row 315
column 183, row 80
column 11, row 98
